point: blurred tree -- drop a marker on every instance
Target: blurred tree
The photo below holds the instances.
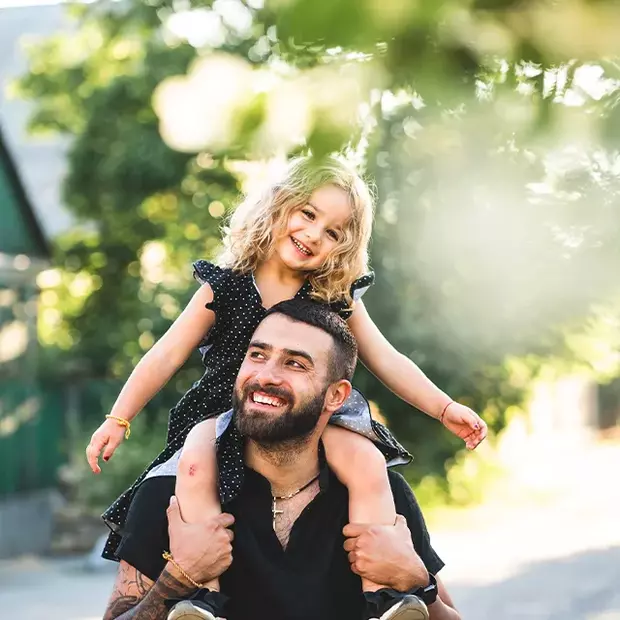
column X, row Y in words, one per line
column 491, row 231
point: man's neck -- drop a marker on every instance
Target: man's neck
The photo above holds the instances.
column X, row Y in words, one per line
column 287, row 466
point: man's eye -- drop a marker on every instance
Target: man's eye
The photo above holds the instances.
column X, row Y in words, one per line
column 257, row 355
column 309, row 214
column 296, row 364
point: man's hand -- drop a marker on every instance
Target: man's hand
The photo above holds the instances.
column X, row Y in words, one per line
column 385, row 554
column 202, row 550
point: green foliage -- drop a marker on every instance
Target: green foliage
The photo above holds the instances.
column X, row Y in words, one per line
column 120, row 472
column 495, row 216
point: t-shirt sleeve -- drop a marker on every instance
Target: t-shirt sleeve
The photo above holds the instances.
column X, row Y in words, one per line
column 408, row 507
column 358, row 288
column 217, row 278
column 145, row 535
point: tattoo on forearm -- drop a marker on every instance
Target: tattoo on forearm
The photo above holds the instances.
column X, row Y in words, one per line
column 134, row 598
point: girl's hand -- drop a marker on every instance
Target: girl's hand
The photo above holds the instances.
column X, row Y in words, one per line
column 464, row 423
column 109, row 436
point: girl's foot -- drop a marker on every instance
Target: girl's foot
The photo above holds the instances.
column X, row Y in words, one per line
column 388, row 604
column 202, row 605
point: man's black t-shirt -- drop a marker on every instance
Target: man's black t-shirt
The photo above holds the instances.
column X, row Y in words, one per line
column 309, row 579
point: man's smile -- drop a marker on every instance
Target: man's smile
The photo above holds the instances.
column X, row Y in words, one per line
column 262, row 398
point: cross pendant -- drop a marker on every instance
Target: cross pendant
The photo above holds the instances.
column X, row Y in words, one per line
column 275, row 512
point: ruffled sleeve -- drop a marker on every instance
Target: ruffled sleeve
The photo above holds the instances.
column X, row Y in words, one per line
column 219, row 281
column 358, row 288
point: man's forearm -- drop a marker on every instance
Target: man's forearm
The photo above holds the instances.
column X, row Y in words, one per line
column 442, row 611
column 145, row 600
column 443, row 607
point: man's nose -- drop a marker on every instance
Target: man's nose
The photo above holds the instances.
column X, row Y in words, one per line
column 268, row 375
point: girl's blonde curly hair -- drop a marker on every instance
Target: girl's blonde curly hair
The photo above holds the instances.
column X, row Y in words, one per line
column 259, row 221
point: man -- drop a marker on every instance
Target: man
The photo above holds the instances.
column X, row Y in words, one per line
column 290, row 559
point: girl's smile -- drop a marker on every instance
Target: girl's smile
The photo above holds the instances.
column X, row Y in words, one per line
column 303, row 249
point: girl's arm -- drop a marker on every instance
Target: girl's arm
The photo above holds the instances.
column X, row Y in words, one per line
column 398, row 373
column 153, row 371
column 393, row 369
column 166, row 356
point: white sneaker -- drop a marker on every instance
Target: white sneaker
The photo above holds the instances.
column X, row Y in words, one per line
column 191, row 610
column 410, row 607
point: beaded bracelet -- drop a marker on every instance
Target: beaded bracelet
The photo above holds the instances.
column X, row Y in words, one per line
column 122, row 422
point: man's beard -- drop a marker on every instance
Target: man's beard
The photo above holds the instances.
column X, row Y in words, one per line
column 292, row 426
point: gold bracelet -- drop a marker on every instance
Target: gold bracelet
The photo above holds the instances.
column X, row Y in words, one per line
column 122, row 422
column 168, row 557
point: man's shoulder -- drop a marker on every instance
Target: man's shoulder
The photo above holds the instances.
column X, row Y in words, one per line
column 396, row 478
column 145, row 534
column 400, row 486
column 154, row 490
column 406, row 503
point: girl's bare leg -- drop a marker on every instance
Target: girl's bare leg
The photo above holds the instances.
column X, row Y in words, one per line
column 197, row 478
column 361, row 467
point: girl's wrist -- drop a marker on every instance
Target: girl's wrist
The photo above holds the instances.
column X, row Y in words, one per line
column 122, row 416
column 444, row 408
column 121, row 422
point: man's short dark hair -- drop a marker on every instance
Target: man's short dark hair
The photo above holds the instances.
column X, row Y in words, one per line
column 343, row 356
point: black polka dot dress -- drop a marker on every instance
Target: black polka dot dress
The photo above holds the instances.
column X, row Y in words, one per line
column 238, row 310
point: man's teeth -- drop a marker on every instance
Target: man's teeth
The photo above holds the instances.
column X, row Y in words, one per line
column 300, row 247
column 267, row 400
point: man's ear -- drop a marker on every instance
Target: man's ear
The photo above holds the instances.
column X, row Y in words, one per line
column 337, row 394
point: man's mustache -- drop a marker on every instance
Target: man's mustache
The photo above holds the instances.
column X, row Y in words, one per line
column 269, row 391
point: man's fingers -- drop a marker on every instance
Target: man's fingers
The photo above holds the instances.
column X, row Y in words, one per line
column 352, row 557
column 349, row 544
column 401, row 521
column 230, row 534
column 353, row 530
column 174, row 512
column 225, row 519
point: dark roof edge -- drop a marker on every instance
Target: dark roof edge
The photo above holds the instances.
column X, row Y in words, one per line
column 32, row 222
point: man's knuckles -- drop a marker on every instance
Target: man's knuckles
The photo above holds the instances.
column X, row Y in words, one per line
column 401, row 522
column 349, row 544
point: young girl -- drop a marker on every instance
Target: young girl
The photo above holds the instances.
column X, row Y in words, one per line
column 306, row 236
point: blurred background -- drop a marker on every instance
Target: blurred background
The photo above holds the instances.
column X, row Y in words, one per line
column 491, row 129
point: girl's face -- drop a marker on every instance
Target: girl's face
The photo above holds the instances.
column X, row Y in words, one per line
column 314, row 229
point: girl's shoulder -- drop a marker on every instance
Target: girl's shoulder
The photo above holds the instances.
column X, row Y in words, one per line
column 207, row 272
column 358, row 288
column 227, row 285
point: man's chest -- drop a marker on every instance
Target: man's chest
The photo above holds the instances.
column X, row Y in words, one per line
column 307, row 578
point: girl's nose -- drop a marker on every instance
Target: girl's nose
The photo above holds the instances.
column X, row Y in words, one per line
column 312, row 234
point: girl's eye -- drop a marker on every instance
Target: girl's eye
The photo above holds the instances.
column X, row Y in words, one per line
column 257, row 355
column 309, row 214
column 333, row 234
